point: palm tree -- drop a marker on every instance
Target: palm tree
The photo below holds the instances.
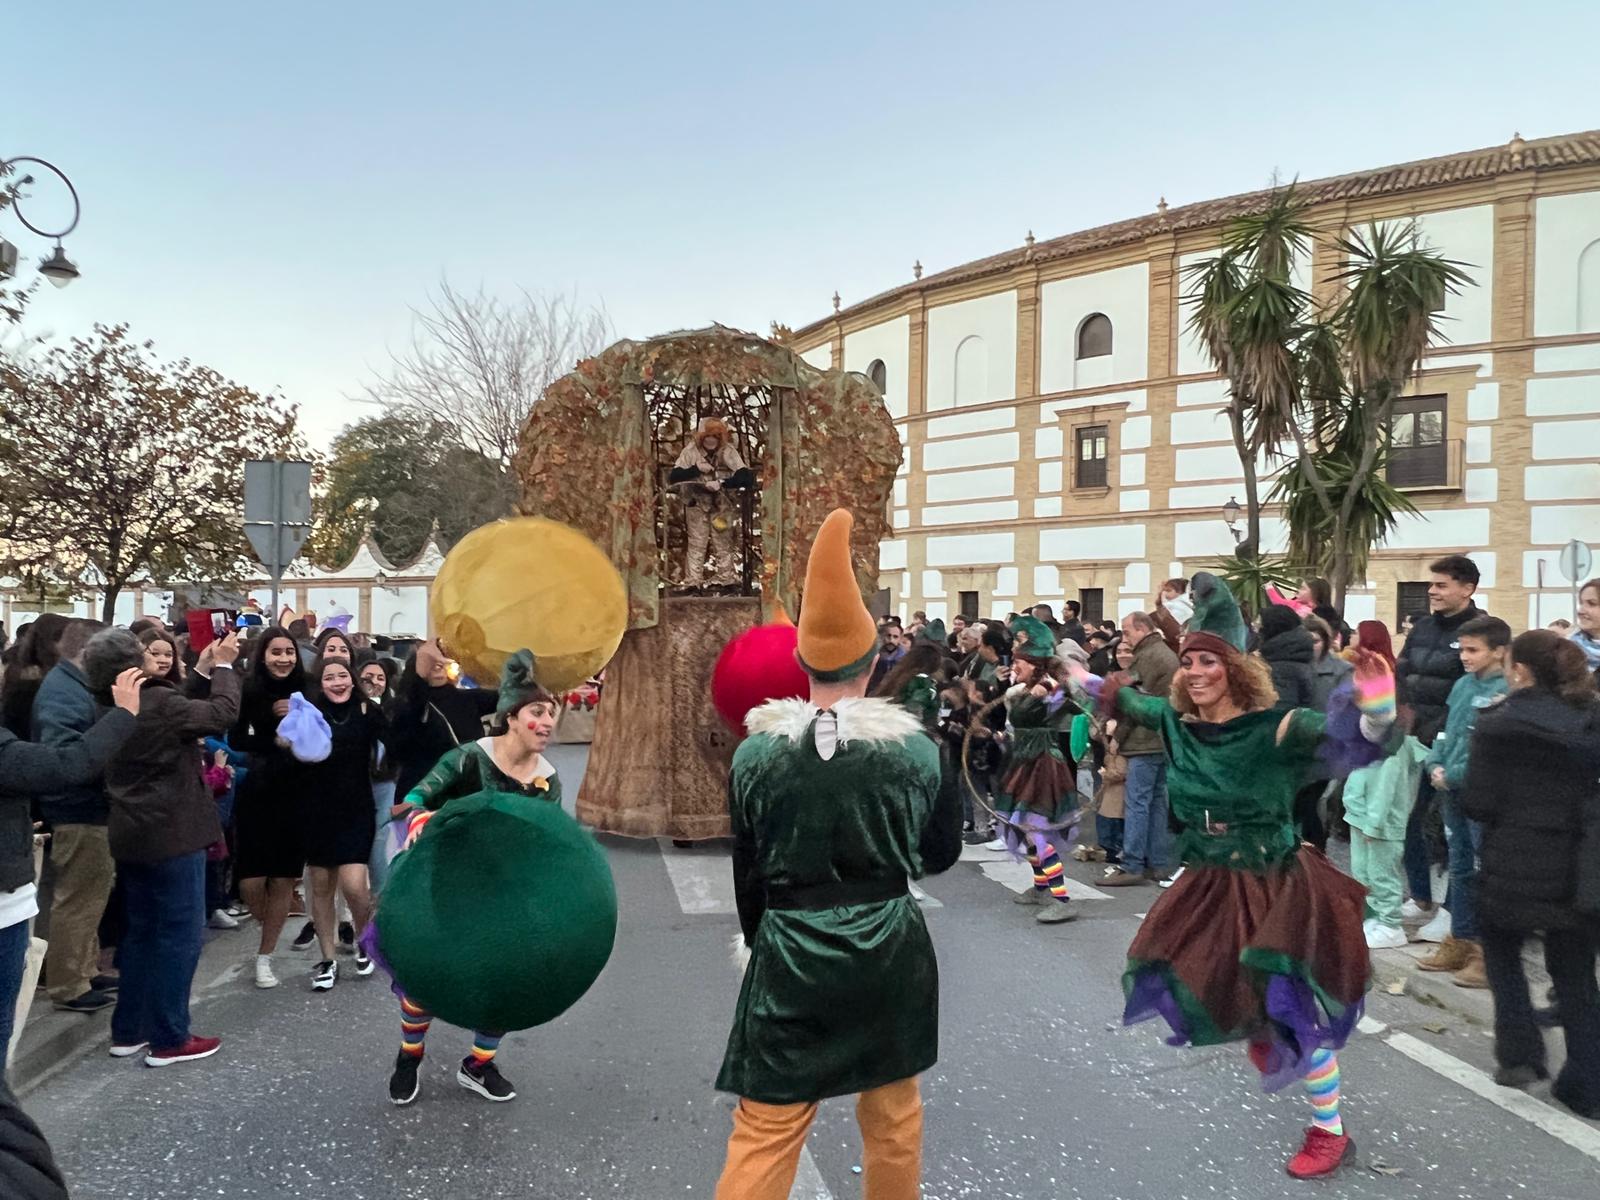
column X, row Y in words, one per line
column 1319, row 386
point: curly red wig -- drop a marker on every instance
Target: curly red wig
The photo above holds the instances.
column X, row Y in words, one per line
column 1249, row 683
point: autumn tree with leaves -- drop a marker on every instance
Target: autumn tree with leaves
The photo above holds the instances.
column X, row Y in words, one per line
column 117, row 467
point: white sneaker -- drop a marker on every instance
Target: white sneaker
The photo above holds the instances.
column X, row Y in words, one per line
column 997, row 844
column 264, row 974
column 1384, row 937
column 221, row 920
column 1412, row 911
column 1437, row 929
column 1172, row 879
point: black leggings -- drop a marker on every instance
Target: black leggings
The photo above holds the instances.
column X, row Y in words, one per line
column 1569, row 955
column 1308, row 813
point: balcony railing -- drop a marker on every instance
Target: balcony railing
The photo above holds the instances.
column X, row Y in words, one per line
column 1439, row 468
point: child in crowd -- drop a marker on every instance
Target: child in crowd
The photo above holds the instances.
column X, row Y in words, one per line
column 1482, row 642
column 1377, row 804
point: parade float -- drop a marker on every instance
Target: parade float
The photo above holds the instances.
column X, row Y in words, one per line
column 598, row 452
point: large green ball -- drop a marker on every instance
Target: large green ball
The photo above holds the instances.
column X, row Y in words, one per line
column 502, row 914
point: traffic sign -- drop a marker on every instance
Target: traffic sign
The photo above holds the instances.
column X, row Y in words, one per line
column 277, row 513
column 1576, row 560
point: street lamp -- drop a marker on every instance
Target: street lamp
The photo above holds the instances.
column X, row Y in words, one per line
column 1230, row 517
column 57, row 267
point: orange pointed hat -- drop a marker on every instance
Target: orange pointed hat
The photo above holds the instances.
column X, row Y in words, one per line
column 838, row 637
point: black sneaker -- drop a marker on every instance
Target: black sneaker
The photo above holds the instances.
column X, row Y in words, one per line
column 363, row 965
column 403, row 1085
column 307, row 935
column 486, row 1080
column 90, row 1001
column 106, row 983
column 974, row 837
column 326, row 974
column 347, row 938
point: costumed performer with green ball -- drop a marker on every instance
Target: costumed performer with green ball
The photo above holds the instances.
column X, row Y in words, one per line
column 488, row 821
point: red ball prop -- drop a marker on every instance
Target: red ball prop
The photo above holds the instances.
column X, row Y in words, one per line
column 756, row 666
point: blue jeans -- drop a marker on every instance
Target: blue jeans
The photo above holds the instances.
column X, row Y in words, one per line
column 13, row 961
column 1144, row 823
column 1108, row 833
column 1464, row 837
column 1418, row 867
column 159, row 953
column 378, row 860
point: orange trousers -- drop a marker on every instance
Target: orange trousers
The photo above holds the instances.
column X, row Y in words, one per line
column 764, row 1151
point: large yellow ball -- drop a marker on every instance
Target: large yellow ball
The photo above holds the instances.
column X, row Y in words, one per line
column 535, row 584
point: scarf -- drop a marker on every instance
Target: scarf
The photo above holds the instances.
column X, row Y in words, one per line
column 1590, row 647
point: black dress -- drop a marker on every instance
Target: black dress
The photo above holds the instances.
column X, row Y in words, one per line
column 337, row 821
column 266, row 830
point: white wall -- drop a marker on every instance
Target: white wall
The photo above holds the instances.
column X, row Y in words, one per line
column 1123, row 295
column 891, row 342
column 993, row 320
column 1465, row 235
column 820, row 357
column 1564, row 228
column 405, row 612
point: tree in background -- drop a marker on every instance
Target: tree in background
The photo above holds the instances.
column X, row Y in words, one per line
column 115, row 466
column 12, row 298
column 1317, row 385
column 400, row 475
column 476, row 365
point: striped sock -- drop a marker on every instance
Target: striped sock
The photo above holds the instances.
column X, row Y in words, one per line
column 484, row 1046
column 1040, row 883
column 1322, row 1087
column 414, row 1022
column 1055, row 873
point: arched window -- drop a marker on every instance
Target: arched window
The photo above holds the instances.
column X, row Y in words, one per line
column 879, row 374
column 1094, row 336
column 1589, row 289
column 972, row 371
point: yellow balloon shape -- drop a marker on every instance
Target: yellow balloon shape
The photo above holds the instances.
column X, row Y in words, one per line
column 535, row 584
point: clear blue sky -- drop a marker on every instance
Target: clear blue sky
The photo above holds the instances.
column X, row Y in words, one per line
column 267, row 187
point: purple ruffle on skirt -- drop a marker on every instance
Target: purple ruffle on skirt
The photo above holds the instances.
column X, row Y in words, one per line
column 368, row 941
column 1296, row 1028
column 1035, row 828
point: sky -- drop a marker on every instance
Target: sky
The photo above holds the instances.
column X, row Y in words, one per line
column 267, row 189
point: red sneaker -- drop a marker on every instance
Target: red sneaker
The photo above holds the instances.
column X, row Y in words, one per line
column 195, row 1047
column 1321, row 1155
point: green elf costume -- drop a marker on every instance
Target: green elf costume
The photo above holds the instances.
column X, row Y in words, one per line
column 1038, row 790
column 485, row 823
column 1260, row 938
column 836, row 804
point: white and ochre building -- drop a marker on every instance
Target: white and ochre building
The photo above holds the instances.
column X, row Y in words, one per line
column 1064, row 433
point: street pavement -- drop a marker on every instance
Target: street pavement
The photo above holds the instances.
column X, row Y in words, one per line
column 1039, row 1091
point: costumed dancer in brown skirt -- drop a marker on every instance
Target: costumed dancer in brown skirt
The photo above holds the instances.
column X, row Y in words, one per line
column 1260, row 940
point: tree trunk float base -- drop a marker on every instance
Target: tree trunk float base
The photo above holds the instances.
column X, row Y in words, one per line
column 658, row 766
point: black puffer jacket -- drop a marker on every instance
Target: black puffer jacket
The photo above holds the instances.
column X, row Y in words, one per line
column 1428, row 667
column 1534, row 781
column 1290, row 655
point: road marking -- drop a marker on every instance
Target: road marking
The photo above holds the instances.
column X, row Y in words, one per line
column 1578, row 1134
column 808, row 1181
column 1370, row 1027
column 702, row 877
column 1018, row 876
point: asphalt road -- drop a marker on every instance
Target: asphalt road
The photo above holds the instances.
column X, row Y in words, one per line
column 1039, row 1091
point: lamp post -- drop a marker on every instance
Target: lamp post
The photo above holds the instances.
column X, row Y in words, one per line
column 1230, row 517
column 56, row 267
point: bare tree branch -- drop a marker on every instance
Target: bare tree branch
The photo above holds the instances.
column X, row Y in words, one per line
column 477, row 364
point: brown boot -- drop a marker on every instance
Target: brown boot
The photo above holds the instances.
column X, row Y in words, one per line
column 1451, row 955
column 1121, row 878
column 1473, row 975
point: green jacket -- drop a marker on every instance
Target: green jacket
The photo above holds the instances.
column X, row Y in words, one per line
column 468, row 770
column 1469, row 696
column 1378, row 798
column 838, row 997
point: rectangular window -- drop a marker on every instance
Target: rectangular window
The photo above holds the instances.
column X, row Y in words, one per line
column 1412, row 601
column 1418, row 455
column 1094, row 605
column 968, row 605
column 1089, row 459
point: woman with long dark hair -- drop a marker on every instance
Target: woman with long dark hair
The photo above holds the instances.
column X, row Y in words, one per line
column 432, row 715
column 36, row 654
column 162, row 659
column 1531, row 782
column 335, row 806
column 269, row 858
column 334, row 643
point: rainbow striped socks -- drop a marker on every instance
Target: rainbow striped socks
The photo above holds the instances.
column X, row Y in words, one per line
column 1322, row 1088
column 414, row 1024
column 1049, row 874
column 484, row 1046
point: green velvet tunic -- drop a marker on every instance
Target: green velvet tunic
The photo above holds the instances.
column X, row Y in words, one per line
column 843, row 999
column 1237, row 775
column 470, row 769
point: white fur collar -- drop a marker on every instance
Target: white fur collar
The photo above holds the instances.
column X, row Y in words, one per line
column 861, row 719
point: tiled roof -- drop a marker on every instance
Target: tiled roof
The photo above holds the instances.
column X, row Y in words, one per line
column 1573, row 149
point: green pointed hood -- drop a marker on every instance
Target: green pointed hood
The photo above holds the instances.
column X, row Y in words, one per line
column 1216, row 624
column 1032, row 638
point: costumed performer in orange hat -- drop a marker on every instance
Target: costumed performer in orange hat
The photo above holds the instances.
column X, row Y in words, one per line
column 836, row 805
